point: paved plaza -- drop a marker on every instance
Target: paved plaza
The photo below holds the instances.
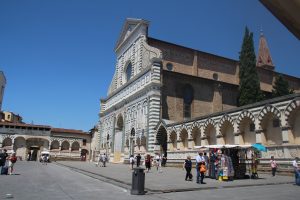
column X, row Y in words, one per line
column 83, row 180
column 170, row 180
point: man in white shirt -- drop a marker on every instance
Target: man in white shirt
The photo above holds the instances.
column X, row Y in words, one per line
column 296, row 168
column 199, row 159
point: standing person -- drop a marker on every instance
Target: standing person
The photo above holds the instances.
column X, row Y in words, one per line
column 138, row 160
column 131, row 161
column 44, row 159
column 164, row 161
column 297, row 171
column 187, row 165
column 104, row 159
column 158, row 162
column 199, row 161
column 273, row 165
column 148, row 161
column 3, row 156
column 11, row 161
column 206, row 163
column 99, row 160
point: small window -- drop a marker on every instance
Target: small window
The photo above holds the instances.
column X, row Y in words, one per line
column 276, row 123
column 169, row 66
column 84, row 142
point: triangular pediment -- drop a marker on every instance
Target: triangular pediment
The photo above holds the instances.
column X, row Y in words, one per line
column 129, row 27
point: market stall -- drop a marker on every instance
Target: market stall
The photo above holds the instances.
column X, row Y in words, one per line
column 228, row 162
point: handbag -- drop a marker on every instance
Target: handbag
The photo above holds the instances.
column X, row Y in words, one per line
column 202, row 168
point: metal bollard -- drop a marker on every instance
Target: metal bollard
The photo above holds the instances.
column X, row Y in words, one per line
column 138, row 181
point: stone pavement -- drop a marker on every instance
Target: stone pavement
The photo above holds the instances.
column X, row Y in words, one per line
column 169, row 180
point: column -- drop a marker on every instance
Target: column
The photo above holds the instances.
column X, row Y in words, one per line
column 258, row 135
column 285, row 134
column 237, row 138
column 219, row 136
column 190, row 140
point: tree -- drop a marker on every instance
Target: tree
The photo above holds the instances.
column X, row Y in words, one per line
column 249, row 89
column 281, row 87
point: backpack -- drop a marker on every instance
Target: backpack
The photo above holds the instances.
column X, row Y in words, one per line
column 13, row 159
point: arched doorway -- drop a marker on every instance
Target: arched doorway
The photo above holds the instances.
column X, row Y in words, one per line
column 118, row 140
column 84, row 153
column 35, row 146
column 7, row 143
column 162, row 139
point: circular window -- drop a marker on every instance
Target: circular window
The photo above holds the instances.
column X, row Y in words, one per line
column 169, row 66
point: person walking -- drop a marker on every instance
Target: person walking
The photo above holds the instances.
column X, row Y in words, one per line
column 199, row 160
column 131, row 161
column 187, row 165
column 12, row 159
column 99, row 160
column 164, row 160
column 148, row 162
column 158, row 162
column 104, row 159
column 138, row 160
column 296, row 171
column 3, row 156
column 273, row 165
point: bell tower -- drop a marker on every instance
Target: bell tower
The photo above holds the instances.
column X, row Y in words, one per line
column 264, row 58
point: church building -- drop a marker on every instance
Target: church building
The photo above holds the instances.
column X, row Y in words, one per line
column 168, row 98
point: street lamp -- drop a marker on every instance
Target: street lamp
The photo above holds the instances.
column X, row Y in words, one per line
column 132, row 134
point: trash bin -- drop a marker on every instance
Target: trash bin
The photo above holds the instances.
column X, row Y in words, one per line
column 138, row 181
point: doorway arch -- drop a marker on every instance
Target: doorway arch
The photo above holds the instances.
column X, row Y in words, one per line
column 162, row 140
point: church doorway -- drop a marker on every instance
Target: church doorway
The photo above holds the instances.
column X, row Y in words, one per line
column 118, row 139
column 161, row 139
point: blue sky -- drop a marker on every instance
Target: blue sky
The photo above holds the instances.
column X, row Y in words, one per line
column 58, row 55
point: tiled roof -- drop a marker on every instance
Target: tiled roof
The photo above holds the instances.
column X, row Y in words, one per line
column 62, row 130
column 24, row 125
